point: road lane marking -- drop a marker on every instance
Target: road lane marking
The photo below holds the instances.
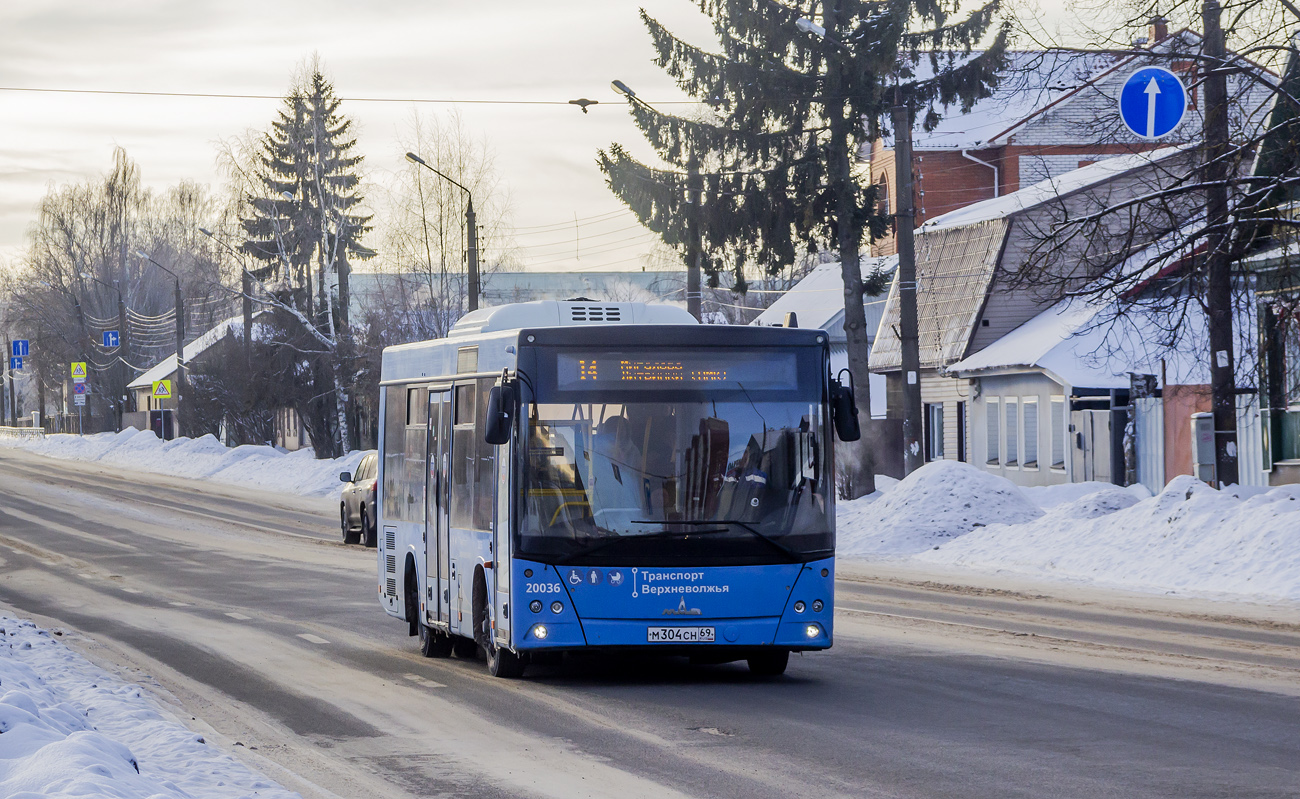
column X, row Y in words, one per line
column 239, row 616
column 179, row 604
column 423, row 682
column 133, row 590
column 315, row 639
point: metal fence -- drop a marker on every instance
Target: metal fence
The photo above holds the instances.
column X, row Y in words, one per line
column 1149, row 444
column 21, row 432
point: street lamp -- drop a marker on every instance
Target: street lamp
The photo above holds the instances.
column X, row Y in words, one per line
column 470, row 222
column 122, row 345
column 693, row 185
column 180, row 339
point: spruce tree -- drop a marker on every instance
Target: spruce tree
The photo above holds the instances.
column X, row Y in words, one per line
column 792, row 104
column 302, row 224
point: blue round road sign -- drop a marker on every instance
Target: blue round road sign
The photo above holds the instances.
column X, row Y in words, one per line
column 1153, row 102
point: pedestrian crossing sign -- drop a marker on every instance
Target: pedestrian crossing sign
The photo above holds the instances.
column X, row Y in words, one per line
column 79, row 371
column 162, row 389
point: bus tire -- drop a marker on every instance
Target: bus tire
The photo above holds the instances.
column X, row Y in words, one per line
column 368, row 530
column 769, row 662
column 433, row 643
column 349, row 536
column 504, row 663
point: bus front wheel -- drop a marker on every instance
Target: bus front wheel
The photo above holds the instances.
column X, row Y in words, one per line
column 503, row 663
column 769, row 662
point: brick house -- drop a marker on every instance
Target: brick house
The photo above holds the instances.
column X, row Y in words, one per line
column 1053, row 113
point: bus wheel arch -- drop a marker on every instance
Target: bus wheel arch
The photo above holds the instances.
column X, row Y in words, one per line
column 500, row 662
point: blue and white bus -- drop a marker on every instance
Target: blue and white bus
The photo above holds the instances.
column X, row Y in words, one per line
column 568, row 475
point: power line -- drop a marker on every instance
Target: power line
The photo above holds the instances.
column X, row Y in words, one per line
column 231, row 96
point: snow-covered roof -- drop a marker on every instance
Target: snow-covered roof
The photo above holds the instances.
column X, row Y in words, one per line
column 1032, row 80
column 167, row 366
column 1088, row 344
column 1050, row 189
column 817, row 300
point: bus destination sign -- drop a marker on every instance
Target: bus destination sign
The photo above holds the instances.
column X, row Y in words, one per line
column 610, row 369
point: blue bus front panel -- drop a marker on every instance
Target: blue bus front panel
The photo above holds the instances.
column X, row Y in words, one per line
column 785, row 605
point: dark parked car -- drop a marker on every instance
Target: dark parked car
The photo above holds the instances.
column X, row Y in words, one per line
column 357, row 502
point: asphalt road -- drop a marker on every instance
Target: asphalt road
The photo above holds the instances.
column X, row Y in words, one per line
column 244, row 611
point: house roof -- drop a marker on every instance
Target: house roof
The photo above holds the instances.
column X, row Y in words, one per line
column 167, row 366
column 1093, row 344
column 1048, row 190
column 817, row 299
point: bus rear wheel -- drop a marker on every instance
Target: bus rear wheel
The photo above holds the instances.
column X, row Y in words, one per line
column 769, row 663
column 434, row 644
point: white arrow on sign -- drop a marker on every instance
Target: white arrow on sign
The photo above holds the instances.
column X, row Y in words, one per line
column 1151, row 91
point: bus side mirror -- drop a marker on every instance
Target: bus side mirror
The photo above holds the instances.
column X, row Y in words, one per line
column 844, row 411
column 500, row 414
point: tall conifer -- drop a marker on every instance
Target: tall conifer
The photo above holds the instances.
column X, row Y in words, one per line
column 791, row 107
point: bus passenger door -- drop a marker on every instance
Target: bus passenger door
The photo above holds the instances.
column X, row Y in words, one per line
column 435, row 519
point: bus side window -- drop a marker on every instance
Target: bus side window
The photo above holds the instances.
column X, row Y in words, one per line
column 417, row 421
column 394, row 452
column 485, row 462
column 464, row 453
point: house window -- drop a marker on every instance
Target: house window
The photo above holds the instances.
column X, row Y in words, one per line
column 1012, row 458
column 882, row 195
column 1030, row 412
column 933, row 431
column 1058, row 433
column 1291, row 361
column 992, row 413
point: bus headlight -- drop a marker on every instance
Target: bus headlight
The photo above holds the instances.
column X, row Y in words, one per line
column 812, row 631
column 535, row 606
column 817, row 606
column 557, row 606
column 540, row 632
column 799, row 606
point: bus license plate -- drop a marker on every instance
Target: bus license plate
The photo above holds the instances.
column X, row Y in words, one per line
column 679, row 635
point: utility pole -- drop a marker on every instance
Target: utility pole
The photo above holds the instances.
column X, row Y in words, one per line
column 472, row 221
column 180, row 356
column 909, row 339
column 1218, row 265
column 123, row 351
column 695, row 252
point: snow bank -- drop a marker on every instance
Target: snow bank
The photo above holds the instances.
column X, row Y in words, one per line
column 69, row 729
column 1189, row 538
column 1048, row 497
column 202, row 458
column 938, row 502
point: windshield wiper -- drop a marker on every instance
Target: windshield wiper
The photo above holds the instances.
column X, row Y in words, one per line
column 746, row 526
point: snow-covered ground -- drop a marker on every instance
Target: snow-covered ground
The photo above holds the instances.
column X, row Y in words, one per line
column 203, row 458
column 1189, row 539
column 69, row 729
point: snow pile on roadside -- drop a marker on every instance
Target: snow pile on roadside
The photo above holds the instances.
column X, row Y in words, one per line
column 1190, row 538
column 203, row 458
column 938, row 502
column 69, row 729
column 1048, row 497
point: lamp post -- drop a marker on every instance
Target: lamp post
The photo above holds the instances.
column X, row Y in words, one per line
column 122, row 345
column 695, row 253
column 180, row 340
column 470, row 222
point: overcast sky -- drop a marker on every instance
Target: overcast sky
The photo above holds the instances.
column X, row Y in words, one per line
column 511, row 50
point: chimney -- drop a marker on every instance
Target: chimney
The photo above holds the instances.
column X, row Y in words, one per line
column 1158, row 29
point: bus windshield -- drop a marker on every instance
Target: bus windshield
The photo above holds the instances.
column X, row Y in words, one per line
column 725, row 476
